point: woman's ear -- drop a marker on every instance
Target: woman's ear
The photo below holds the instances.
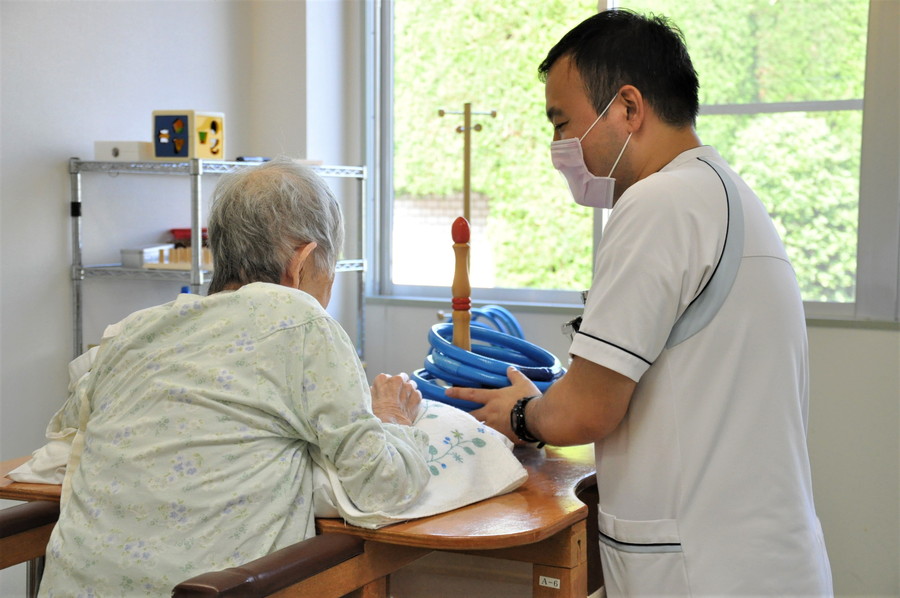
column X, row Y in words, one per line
column 292, row 275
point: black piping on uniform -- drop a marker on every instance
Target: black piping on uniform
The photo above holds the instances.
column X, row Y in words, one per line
column 727, row 222
column 614, row 345
column 643, row 548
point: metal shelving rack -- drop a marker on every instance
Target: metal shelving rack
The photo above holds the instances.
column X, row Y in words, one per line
column 196, row 276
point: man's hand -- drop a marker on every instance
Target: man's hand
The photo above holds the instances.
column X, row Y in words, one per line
column 395, row 399
column 583, row 406
column 498, row 403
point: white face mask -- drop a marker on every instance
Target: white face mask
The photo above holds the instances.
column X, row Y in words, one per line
column 587, row 189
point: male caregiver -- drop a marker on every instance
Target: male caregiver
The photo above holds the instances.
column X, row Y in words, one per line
column 689, row 369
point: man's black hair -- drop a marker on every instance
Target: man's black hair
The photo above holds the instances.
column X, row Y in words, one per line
column 620, row 47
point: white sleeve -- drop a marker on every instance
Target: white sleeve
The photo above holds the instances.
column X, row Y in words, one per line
column 659, row 248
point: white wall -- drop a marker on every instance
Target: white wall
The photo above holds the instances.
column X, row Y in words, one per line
column 854, row 443
column 75, row 72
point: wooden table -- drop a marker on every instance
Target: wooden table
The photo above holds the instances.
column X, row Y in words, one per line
column 11, row 490
column 541, row 522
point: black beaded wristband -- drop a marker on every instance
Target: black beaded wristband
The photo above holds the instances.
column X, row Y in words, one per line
column 517, row 421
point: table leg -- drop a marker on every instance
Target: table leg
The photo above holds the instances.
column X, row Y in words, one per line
column 560, row 564
column 375, row 589
column 559, row 582
column 34, row 571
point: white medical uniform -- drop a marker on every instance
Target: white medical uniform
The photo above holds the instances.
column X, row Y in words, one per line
column 705, row 485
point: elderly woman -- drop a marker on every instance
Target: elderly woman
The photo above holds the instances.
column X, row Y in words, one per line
column 200, row 420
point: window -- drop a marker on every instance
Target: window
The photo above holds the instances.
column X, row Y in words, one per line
column 782, row 94
column 781, row 88
column 527, row 234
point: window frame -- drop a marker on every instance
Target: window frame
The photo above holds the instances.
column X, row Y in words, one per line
column 878, row 241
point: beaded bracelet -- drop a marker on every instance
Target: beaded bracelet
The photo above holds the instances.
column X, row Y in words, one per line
column 517, row 421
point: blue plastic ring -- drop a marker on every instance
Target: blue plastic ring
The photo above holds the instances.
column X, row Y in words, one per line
column 435, row 392
column 544, row 365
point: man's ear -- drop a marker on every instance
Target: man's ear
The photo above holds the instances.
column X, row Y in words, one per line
column 293, row 273
column 635, row 107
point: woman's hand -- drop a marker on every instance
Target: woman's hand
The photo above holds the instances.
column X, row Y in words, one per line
column 395, row 399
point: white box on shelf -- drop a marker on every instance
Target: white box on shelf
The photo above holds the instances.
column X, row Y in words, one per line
column 123, row 151
column 141, row 256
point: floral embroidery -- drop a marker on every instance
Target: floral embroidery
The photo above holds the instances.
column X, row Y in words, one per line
column 450, row 446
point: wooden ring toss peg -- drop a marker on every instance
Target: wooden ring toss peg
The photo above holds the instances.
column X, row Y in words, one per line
column 462, row 290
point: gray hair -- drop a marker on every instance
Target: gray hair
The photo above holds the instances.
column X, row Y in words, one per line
column 261, row 215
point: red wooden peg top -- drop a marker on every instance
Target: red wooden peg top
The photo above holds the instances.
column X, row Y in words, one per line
column 460, row 230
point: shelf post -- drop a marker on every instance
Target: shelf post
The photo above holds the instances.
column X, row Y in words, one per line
column 361, row 277
column 77, row 265
column 196, row 229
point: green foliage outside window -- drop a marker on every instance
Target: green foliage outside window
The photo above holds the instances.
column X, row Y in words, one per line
column 803, row 165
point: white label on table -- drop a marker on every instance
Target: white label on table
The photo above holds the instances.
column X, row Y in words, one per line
column 549, row 582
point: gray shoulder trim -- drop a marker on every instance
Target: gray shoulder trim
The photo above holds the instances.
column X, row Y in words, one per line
column 706, row 305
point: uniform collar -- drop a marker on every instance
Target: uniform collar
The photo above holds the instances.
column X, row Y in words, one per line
column 703, row 151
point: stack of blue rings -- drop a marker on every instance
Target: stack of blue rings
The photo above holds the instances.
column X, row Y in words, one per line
column 494, row 349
